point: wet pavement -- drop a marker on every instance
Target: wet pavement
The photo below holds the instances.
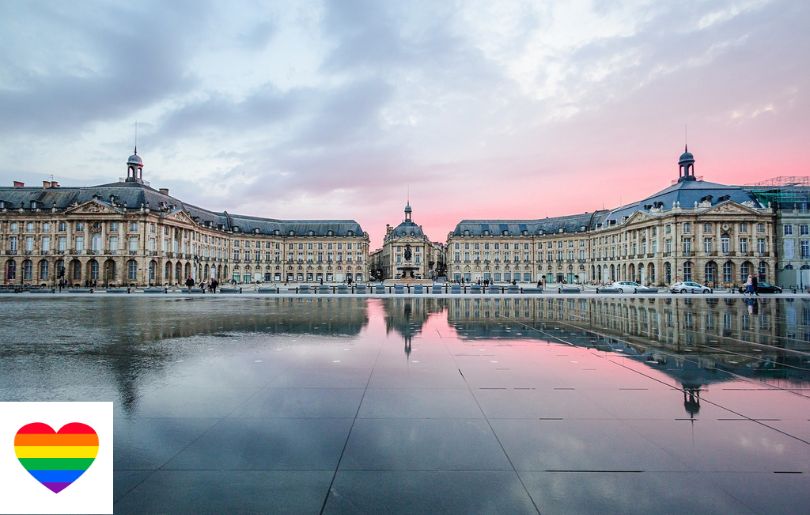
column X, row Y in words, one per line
column 414, row 405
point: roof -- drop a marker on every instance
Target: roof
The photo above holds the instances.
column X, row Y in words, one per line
column 687, row 194
column 568, row 224
column 406, row 228
column 133, row 195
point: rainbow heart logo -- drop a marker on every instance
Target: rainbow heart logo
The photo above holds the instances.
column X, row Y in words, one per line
column 56, row 458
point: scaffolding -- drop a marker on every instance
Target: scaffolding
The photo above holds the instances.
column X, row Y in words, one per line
column 783, row 192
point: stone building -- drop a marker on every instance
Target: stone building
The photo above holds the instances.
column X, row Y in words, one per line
column 407, row 253
column 790, row 198
column 693, row 230
column 130, row 233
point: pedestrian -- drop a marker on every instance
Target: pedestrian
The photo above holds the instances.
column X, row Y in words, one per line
column 754, row 283
column 213, row 287
column 189, row 283
column 749, row 285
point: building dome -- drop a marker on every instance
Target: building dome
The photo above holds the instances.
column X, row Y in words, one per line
column 686, row 157
column 135, row 159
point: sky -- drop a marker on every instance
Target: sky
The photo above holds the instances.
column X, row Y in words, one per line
column 344, row 109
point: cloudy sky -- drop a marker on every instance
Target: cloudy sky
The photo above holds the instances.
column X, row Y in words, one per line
column 337, row 109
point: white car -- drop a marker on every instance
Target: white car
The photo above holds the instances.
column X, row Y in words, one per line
column 626, row 286
column 689, row 287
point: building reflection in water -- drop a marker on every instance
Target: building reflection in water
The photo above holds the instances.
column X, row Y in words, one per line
column 695, row 341
column 126, row 339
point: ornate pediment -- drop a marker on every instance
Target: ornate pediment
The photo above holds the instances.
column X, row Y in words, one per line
column 731, row 208
column 636, row 218
column 93, row 207
column 180, row 216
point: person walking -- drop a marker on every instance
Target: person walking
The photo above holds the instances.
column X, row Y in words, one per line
column 189, row 283
column 749, row 285
column 213, row 287
column 754, row 285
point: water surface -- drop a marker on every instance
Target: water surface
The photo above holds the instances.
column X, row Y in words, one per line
column 456, row 405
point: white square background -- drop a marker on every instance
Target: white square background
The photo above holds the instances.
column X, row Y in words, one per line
column 92, row 492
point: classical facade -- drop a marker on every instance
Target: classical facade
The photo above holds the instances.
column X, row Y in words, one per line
column 693, row 230
column 129, row 233
column 407, row 253
column 790, row 198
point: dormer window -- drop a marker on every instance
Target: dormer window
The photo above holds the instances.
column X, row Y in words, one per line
column 350, row 233
column 292, row 233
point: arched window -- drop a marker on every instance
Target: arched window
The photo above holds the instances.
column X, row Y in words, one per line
column 43, row 270
column 728, row 272
column 132, row 270
column 167, row 272
column 687, row 271
column 745, row 271
column 76, row 270
column 668, row 273
column 152, row 271
column 710, row 272
column 11, row 270
column 763, row 271
column 93, row 268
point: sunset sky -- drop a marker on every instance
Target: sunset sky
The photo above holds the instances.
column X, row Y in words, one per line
column 338, row 109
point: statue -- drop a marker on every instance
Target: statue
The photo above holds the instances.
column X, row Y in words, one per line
column 407, row 253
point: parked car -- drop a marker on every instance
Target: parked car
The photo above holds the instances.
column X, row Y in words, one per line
column 689, row 287
column 763, row 287
column 626, row 286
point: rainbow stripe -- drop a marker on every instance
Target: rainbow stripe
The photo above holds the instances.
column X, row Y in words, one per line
column 56, row 459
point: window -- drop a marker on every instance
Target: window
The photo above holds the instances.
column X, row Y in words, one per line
column 743, row 227
column 43, row 270
column 133, row 244
column 79, row 244
column 62, row 244
column 725, row 244
column 46, row 227
column 728, row 272
column 760, row 227
column 114, row 227
column 707, row 227
column 745, row 271
column 29, row 244
column 804, row 229
column 133, row 226
column 132, row 270
column 687, row 227
column 28, row 270
column 11, row 270
column 46, row 244
column 744, row 245
column 788, row 229
column 761, row 248
column 805, row 248
column 707, row 245
column 94, row 270
column 763, row 270
column 29, row 227
column 687, row 271
column 12, row 227
column 79, row 226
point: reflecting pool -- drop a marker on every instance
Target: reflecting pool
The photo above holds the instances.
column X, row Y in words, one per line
column 460, row 405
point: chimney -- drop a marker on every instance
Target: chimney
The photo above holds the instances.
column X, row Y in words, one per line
column 165, row 191
column 18, row 184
